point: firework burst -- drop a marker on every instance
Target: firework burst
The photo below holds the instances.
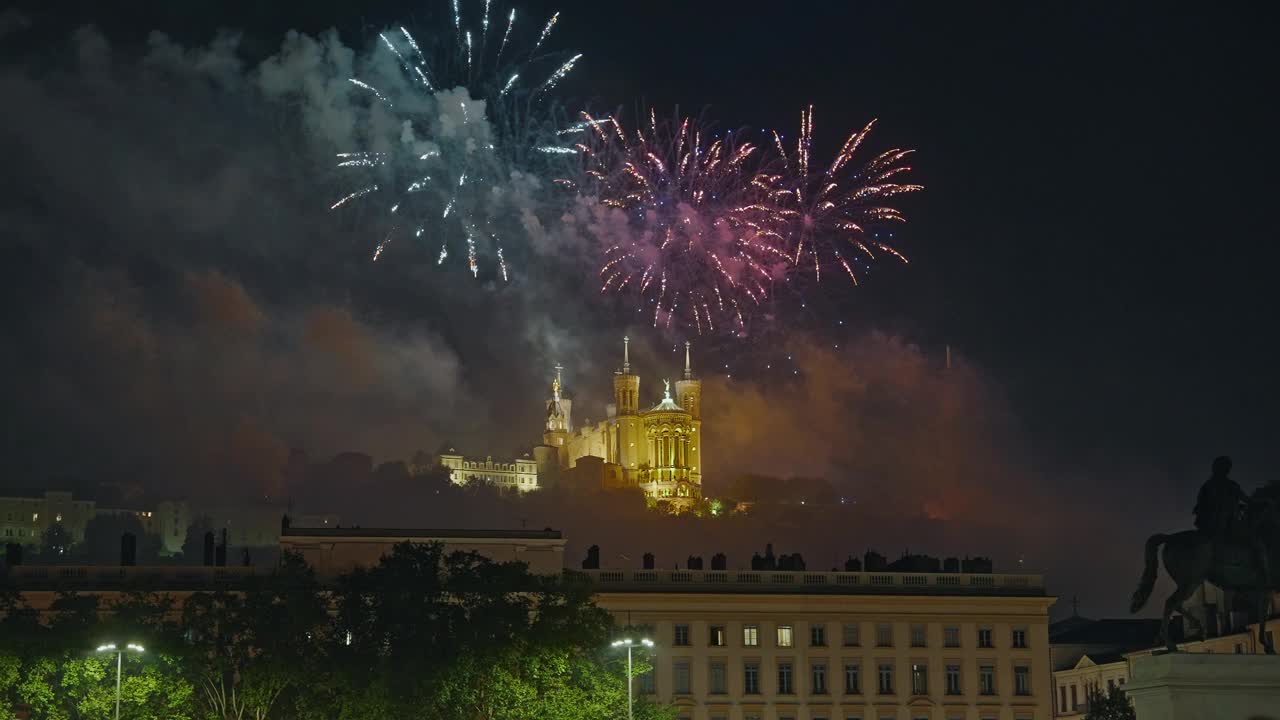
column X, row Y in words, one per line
column 451, row 120
column 831, row 216
column 692, row 251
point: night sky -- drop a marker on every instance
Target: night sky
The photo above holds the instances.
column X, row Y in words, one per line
column 1095, row 243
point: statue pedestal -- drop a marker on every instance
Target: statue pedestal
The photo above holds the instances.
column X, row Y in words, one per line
column 1199, row 686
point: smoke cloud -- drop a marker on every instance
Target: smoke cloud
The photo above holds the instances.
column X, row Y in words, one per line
column 182, row 312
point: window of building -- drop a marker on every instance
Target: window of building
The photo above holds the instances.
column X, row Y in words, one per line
column 885, row 679
column 951, row 636
column 987, row 679
column 1021, row 680
column 953, row 679
column 818, row 635
column 751, row 678
column 716, row 636
column 1020, row 637
column 884, row 635
column 984, row 638
column 717, row 681
column 681, row 635
column 818, row 673
column 851, row 680
column 785, row 684
column 1239, row 649
column 919, row 679
column 851, row 635
column 918, row 638
column 1075, row 698
column 1062, row 698
column 784, row 636
column 1111, row 685
column 648, row 683
column 750, row 635
column 680, row 677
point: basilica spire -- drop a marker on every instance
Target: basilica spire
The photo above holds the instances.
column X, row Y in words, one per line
column 626, row 355
column 556, row 385
column 688, row 367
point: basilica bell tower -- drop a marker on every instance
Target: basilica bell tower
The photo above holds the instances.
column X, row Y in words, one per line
column 689, row 397
column 626, row 396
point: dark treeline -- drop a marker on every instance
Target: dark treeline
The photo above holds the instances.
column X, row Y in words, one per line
column 424, row 634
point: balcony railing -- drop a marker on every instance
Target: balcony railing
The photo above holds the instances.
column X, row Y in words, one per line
column 106, row 577
column 757, row 581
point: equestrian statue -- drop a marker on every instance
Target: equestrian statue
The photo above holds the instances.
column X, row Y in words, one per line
column 1235, row 546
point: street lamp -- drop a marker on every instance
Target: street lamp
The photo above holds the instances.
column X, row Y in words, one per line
column 111, row 647
column 628, row 644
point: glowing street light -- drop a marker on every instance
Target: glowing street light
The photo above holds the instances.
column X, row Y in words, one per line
column 628, row 644
column 111, row 647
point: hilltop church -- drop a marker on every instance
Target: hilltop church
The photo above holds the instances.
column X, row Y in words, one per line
column 655, row 448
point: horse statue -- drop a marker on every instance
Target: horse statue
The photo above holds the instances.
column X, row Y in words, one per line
column 1242, row 560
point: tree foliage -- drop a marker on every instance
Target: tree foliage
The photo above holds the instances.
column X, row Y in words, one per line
column 423, row 634
column 1112, row 705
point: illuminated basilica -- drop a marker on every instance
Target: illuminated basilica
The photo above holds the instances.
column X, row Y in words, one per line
column 655, row 448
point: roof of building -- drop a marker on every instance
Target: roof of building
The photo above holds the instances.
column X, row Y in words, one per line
column 547, row 534
column 1120, row 632
column 667, row 405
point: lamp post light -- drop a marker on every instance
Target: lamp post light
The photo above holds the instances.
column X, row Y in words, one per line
column 111, row 647
column 629, row 645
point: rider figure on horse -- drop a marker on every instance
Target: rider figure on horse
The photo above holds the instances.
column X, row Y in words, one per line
column 1220, row 513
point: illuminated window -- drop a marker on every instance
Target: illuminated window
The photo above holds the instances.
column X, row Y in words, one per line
column 750, row 635
column 784, row 636
column 717, row 634
column 58, row 517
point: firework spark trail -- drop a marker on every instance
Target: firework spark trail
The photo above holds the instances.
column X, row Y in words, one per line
column 435, row 171
column 357, row 194
column 819, row 211
column 366, row 86
column 696, row 245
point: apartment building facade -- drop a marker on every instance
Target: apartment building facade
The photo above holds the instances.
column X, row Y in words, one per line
column 759, row 645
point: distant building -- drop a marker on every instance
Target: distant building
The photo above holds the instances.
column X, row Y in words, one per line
column 25, row 518
column 520, row 474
